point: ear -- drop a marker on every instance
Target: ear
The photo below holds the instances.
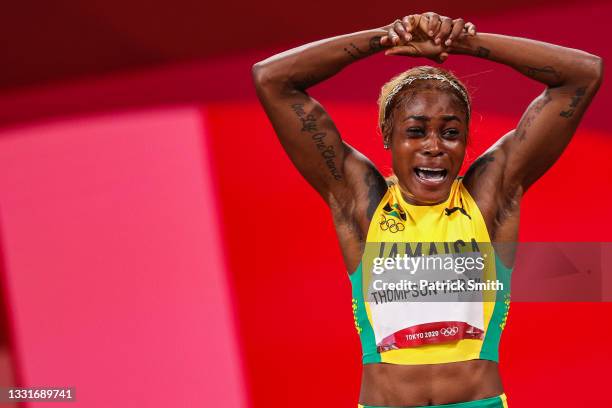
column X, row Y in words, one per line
column 387, row 142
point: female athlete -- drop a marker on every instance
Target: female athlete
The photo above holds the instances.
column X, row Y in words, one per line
column 423, row 354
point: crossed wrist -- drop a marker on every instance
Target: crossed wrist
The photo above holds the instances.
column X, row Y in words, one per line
column 465, row 45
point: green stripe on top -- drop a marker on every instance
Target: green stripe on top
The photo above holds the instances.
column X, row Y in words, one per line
column 362, row 323
column 490, row 346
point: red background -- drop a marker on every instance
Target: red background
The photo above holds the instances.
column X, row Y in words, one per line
column 296, row 323
column 70, row 62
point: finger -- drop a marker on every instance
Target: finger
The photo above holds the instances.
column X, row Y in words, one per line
column 418, row 28
column 458, row 25
column 399, row 29
column 445, row 29
column 471, row 28
column 409, row 25
column 392, row 50
column 417, row 20
column 393, row 37
column 401, row 50
column 423, row 24
column 440, row 58
column 388, row 41
column 434, row 24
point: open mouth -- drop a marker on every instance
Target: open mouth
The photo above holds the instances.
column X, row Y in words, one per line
column 431, row 175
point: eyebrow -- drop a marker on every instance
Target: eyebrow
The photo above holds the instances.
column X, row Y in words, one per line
column 427, row 118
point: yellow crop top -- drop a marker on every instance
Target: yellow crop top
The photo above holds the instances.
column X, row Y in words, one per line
column 449, row 317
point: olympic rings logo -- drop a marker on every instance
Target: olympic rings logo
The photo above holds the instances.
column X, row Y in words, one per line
column 390, row 224
column 449, row 331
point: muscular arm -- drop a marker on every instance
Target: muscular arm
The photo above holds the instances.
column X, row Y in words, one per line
column 304, row 128
column 572, row 78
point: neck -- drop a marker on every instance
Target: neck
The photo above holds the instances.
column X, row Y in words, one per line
column 414, row 200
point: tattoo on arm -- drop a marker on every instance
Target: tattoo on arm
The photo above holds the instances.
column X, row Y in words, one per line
column 353, row 56
column 483, row 52
column 374, row 44
column 576, row 98
column 480, row 165
column 534, row 72
column 357, row 53
column 352, row 51
column 533, row 112
column 309, row 125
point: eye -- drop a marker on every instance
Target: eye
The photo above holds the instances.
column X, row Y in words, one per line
column 415, row 131
column 451, row 133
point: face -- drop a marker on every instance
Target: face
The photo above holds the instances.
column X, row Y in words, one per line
column 428, row 142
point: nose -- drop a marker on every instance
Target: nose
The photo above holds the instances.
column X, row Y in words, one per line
column 432, row 146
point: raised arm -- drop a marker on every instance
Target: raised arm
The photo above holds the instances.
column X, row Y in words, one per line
column 308, row 135
column 572, row 78
column 304, row 128
column 347, row 181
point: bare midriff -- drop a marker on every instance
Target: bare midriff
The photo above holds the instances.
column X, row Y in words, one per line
column 392, row 385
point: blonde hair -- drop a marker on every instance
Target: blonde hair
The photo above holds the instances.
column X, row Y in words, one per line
column 390, row 97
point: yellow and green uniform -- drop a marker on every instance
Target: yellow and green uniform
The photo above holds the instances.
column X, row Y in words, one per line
column 399, row 328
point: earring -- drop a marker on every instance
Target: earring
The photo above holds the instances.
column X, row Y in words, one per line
column 386, row 145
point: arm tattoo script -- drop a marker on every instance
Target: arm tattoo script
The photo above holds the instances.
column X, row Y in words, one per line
column 480, row 165
column 535, row 72
column 357, row 53
column 576, row 98
column 483, row 52
column 533, row 111
column 348, row 51
column 309, row 125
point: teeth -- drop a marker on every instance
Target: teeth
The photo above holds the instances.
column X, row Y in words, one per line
column 427, row 173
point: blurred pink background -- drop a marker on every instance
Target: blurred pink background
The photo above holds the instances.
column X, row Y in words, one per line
column 142, row 188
